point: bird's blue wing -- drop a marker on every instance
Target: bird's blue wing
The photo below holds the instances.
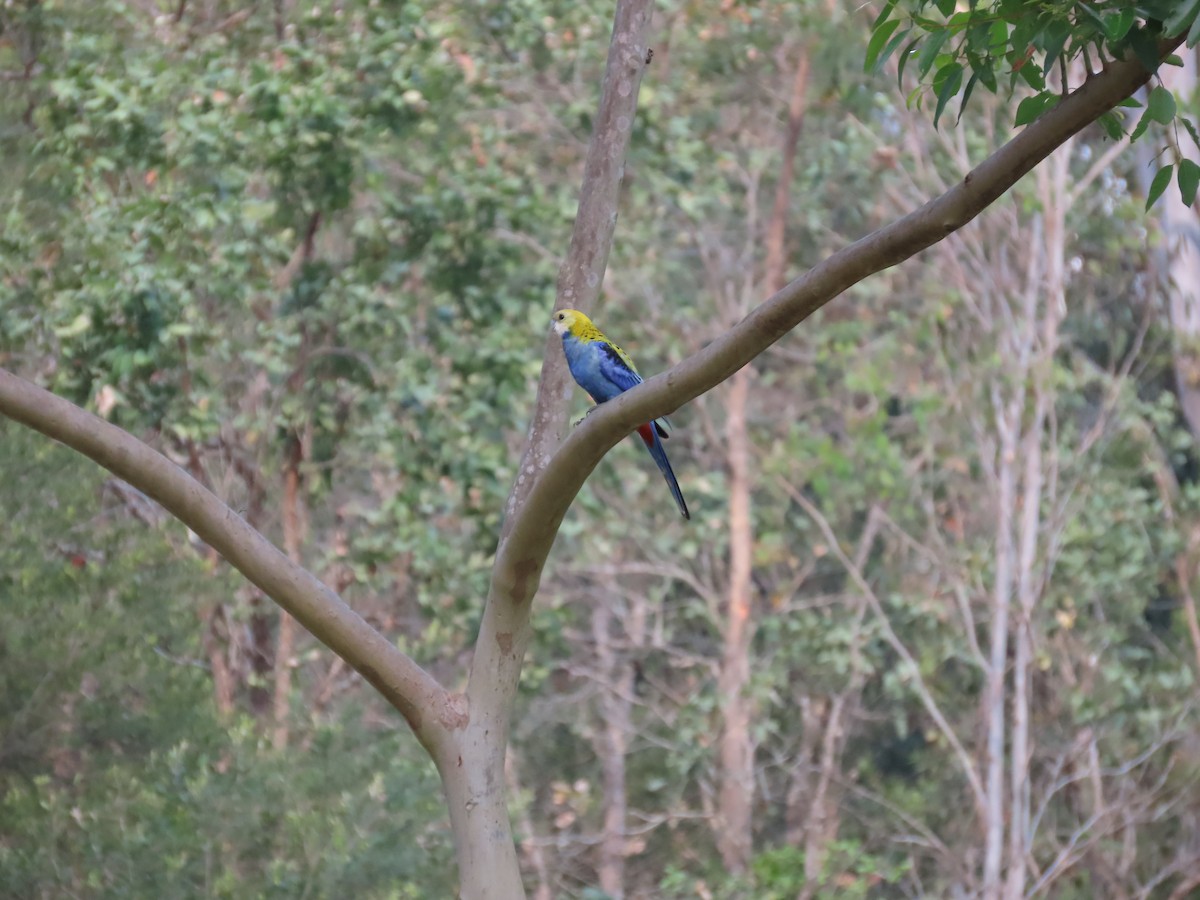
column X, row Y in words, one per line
column 617, row 368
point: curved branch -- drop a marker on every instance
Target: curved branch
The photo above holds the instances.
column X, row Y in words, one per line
column 422, row 701
column 536, row 523
column 475, row 790
column 504, row 633
column 582, row 273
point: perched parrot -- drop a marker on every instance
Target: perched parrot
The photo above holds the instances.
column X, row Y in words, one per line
column 603, row 369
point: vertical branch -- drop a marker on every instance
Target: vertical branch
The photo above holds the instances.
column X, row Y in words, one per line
column 472, row 774
column 616, row 691
column 1052, row 181
column 293, row 538
column 822, row 822
column 1180, row 224
column 582, row 273
column 776, row 227
column 293, row 507
column 994, row 695
column 1008, row 413
column 214, row 648
column 736, row 795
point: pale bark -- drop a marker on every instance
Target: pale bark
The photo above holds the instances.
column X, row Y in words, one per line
column 804, row 766
column 775, row 264
column 616, row 691
column 822, row 821
column 1012, row 469
column 293, row 538
column 822, row 824
column 218, row 664
column 994, row 695
column 474, row 780
column 1182, row 231
column 735, row 798
column 1042, row 343
column 1181, row 227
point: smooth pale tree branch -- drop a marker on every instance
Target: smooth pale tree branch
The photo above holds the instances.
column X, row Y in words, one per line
column 473, row 774
column 535, row 524
column 582, row 274
column 422, row 701
column 504, row 632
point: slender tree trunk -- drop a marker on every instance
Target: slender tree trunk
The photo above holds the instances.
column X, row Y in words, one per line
column 293, row 539
column 804, row 768
column 1053, row 183
column 822, row 817
column 810, row 782
column 473, row 782
column 1182, row 227
column 821, row 821
column 736, row 795
column 1022, row 747
column 1183, row 246
column 214, row 648
column 777, row 226
column 1007, row 421
column 616, row 677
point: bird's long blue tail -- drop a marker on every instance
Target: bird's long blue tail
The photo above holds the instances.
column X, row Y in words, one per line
column 649, row 435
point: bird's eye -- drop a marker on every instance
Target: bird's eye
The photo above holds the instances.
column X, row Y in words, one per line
column 561, row 317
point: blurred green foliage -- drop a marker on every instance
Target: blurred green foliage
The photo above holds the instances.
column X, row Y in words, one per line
column 117, row 777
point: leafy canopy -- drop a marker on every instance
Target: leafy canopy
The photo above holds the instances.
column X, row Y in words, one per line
column 1036, row 46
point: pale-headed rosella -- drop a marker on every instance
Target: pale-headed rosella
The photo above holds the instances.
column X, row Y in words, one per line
column 604, row 370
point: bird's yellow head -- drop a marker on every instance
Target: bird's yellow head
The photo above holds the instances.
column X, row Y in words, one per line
column 574, row 322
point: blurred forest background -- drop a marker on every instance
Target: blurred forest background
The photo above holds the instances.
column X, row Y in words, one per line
column 939, row 582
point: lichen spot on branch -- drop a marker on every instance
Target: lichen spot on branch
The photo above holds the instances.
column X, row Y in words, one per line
column 525, row 579
column 455, row 712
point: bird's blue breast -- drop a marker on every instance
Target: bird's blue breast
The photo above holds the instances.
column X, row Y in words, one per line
column 589, row 362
